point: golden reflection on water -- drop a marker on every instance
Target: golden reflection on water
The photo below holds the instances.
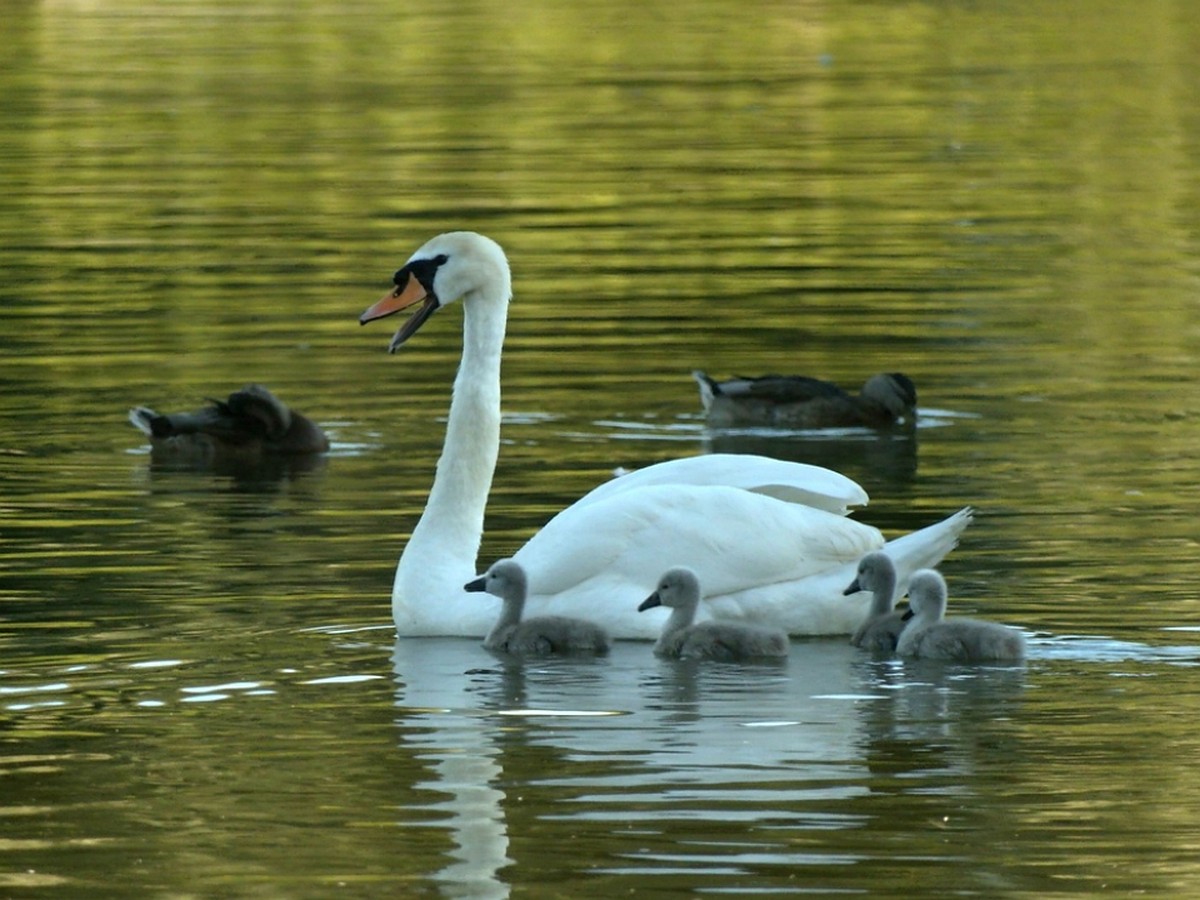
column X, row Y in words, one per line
column 999, row 201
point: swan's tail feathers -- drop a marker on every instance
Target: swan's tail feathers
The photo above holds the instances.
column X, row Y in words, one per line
column 925, row 548
column 142, row 418
column 708, row 388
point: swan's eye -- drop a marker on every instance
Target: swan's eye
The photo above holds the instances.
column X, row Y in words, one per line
column 424, row 270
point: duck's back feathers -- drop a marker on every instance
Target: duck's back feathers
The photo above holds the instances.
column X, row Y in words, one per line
column 771, row 388
column 798, row 401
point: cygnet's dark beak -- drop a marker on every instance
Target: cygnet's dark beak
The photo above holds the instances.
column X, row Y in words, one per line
column 479, row 584
column 650, row 602
column 854, row 588
column 908, row 614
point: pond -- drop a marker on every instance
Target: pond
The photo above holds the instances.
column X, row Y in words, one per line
column 201, row 689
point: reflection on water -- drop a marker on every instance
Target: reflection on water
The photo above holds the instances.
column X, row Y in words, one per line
column 198, row 683
column 769, row 757
column 258, row 474
column 627, row 750
column 666, row 775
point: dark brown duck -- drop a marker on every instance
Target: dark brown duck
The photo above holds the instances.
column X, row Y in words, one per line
column 252, row 423
column 797, row 401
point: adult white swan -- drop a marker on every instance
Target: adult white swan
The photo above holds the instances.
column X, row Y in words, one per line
column 769, row 540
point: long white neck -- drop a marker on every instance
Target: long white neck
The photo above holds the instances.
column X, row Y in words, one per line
column 440, row 556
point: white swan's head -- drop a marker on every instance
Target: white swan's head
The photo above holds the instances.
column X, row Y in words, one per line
column 506, row 579
column 927, row 595
column 452, row 266
column 679, row 588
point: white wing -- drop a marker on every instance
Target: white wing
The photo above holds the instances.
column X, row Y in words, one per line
column 794, row 482
column 758, row 559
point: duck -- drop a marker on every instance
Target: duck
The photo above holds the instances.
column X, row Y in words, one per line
column 882, row 625
column 539, row 636
column 798, row 401
column 251, row 424
column 927, row 635
column 771, row 540
column 682, row 638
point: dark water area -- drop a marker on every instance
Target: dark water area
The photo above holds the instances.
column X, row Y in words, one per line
column 201, row 692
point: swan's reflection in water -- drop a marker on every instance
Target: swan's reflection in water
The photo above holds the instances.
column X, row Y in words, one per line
column 448, row 732
column 622, row 746
column 475, row 819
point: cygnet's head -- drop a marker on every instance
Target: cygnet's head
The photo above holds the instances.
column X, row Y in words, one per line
column 678, row 588
column 927, row 593
column 505, row 579
column 894, row 391
column 875, row 570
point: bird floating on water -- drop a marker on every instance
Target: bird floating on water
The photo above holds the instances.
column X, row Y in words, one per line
column 927, row 635
column 251, row 425
column 797, row 401
column 770, row 540
column 684, row 638
column 881, row 628
column 539, row 636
